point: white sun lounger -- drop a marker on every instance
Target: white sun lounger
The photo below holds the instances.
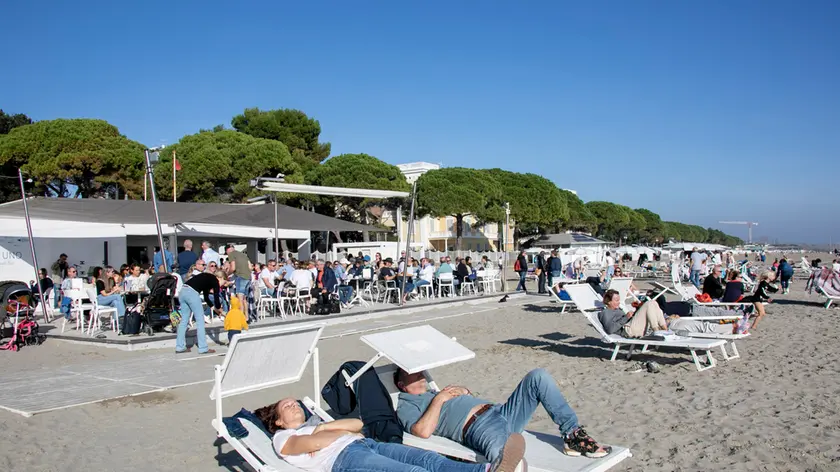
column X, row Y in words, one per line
column 421, row 348
column 591, row 301
column 622, row 286
column 257, row 360
column 585, row 298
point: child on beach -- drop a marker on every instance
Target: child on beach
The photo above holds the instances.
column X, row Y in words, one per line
column 235, row 320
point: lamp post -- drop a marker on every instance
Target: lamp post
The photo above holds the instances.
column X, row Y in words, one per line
column 32, row 247
column 504, row 246
column 408, row 241
column 157, row 215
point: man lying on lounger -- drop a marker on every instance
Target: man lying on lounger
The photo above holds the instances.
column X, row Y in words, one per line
column 492, row 429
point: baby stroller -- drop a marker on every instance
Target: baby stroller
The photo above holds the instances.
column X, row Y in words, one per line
column 160, row 303
column 15, row 302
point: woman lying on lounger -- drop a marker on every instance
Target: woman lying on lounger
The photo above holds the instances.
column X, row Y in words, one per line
column 649, row 316
column 339, row 446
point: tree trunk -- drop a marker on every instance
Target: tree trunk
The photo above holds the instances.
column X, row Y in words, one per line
column 459, row 231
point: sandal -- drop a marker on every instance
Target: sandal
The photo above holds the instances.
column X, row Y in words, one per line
column 579, row 443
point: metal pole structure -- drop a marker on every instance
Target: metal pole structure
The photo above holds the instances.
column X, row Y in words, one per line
column 276, row 239
column 408, row 240
column 504, row 247
column 174, row 177
column 32, row 249
column 157, row 215
column 145, row 187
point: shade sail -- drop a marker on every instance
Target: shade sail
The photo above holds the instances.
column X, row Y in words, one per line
column 142, row 212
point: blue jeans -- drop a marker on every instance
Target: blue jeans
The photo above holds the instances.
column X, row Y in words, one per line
column 66, row 303
column 371, row 456
column 191, row 305
column 345, row 293
column 489, row 432
column 114, row 301
column 694, row 278
column 610, row 273
column 521, row 285
column 785, row 282
column 241, row 285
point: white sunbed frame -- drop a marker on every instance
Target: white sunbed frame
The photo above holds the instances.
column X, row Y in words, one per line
column 829, row 299
column 262, row 359
column 585, row 298
column 421, row 348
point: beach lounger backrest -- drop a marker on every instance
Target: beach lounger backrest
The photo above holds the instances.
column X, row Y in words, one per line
column 267, row 358
column 622, row 286
column 260, row 445
column 584, row 296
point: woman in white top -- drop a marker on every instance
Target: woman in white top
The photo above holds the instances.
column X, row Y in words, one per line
column 339, row 446
column 302, row 277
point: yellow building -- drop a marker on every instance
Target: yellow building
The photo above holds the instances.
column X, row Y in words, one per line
column 440, row 233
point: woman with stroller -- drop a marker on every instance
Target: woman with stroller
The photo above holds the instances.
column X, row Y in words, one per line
column 108, row 292
column 339, row 446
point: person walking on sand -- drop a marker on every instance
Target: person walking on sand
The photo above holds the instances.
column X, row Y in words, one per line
column 521, row 268
column 540, row 272
column 697, row 259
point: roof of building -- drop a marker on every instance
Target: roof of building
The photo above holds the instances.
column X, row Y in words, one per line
column 566, row 240
column 142, row 212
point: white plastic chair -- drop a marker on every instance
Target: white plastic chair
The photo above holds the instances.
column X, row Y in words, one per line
column 77, row 307
column 468, row 286
column 446, row 281
column 428, row 290
column 390, row 287
column 264, row 303
column 97, row 312
column 302, row 298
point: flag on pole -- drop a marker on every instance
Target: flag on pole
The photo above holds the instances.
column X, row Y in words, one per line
column 176, row 166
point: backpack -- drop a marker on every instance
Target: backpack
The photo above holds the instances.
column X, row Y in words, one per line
column 131, row 323
column 516, row 266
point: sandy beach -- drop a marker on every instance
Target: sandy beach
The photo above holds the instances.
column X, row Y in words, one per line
column 775, row 409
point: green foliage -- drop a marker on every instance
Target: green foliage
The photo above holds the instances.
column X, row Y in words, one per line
column 9, row 122
column 291, row 127
column 359, row 171
column 218, row 166
column 654, row 231
column 89, row 154
column 458, row 192
column 535, row 202
column 580, row 218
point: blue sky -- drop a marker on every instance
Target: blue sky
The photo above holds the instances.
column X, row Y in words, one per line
column 700, row 111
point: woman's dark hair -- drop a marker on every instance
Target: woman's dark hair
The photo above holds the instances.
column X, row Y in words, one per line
column 268, row 416
column 609, row 295
column 97, row 272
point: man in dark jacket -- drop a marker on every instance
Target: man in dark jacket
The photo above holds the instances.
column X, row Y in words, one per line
column 325, row 283
column 522, row 269
column 541, row 266
column 370, row 396
column 713, row 284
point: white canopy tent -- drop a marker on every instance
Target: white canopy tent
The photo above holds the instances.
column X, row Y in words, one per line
column 98, row 232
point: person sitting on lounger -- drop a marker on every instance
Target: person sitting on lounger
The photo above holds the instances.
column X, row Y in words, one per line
column 650, row 317
column 492, row 429
column 339, row 446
